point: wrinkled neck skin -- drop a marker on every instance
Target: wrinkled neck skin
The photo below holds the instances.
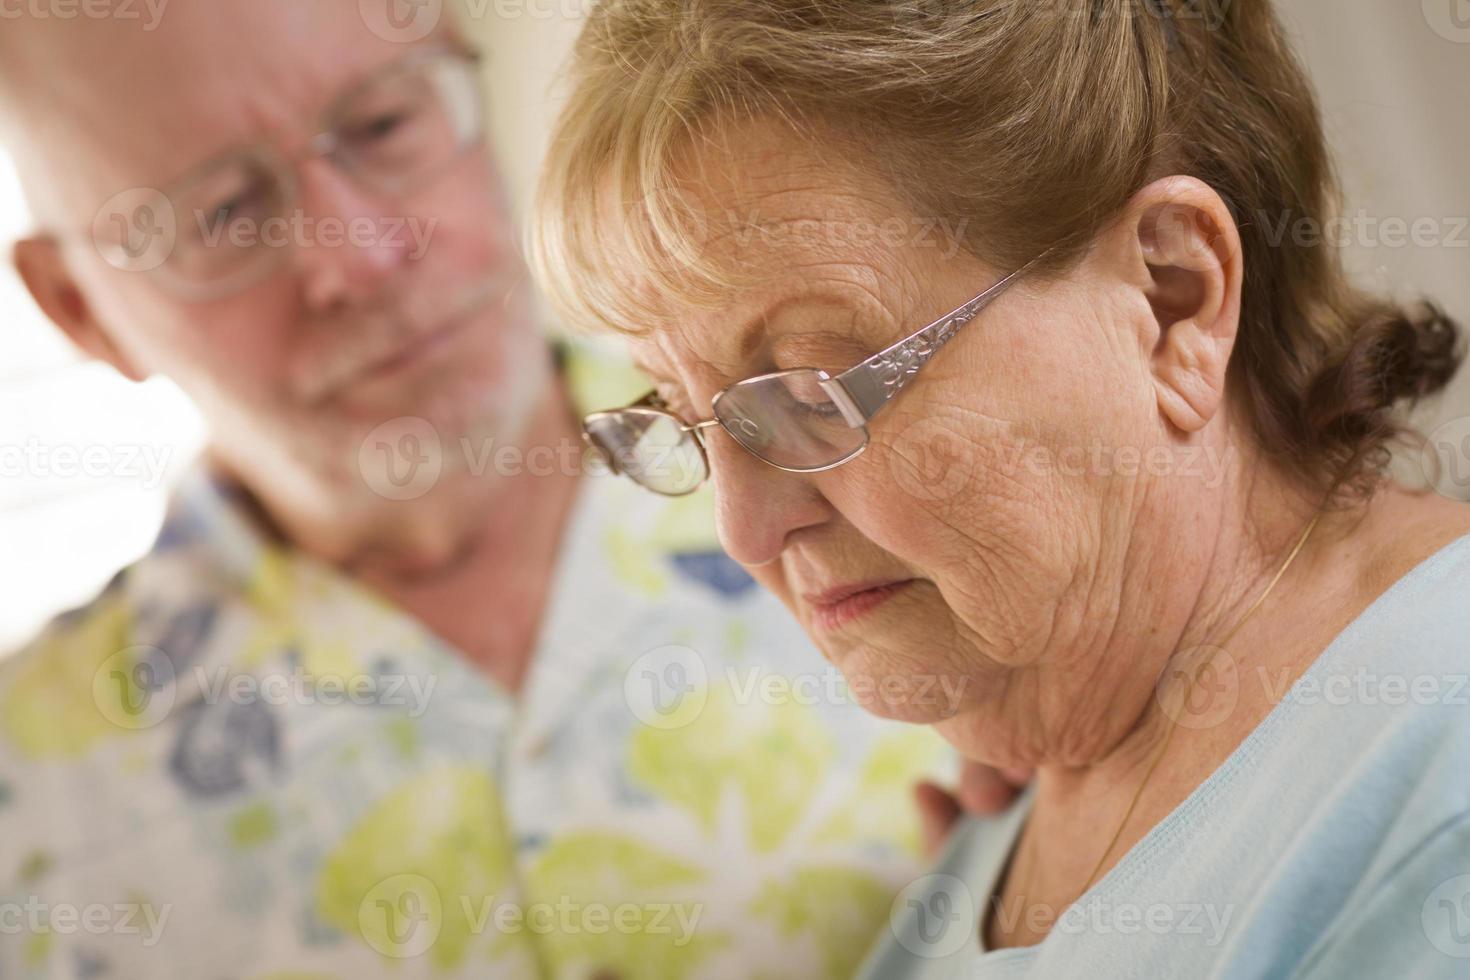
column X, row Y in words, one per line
column 1196, row 568
column 1228, row 553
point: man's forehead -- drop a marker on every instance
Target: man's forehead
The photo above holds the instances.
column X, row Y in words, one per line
column 144, row 105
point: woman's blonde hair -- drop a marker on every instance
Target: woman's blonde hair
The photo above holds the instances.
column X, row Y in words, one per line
column 1032, row 122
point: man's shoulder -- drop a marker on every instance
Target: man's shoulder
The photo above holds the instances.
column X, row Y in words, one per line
column 51, row 687
column 71, row 681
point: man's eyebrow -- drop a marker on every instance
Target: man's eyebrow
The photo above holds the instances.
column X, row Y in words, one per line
column 323, row 112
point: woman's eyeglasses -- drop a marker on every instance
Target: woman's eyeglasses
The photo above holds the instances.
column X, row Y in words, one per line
column 802, row 420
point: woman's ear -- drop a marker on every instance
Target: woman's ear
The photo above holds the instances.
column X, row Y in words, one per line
column 1184, row 237
column 41, row 266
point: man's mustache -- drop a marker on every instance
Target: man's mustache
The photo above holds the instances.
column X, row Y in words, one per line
column 355, row 343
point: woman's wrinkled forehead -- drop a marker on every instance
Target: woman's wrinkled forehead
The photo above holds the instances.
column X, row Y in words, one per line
column 760, row 183
column 823, row 261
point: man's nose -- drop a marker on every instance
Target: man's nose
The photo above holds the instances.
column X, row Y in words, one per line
column 354, row 239
column 757, row 506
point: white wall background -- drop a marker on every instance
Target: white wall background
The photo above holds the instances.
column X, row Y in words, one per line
column 85, row 456
column 1394, row 76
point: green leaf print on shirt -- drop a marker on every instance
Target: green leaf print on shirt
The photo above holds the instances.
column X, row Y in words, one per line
column 633, row 565
column 416, row 874
column 331, row 622
column 252, row 825
column 882, row 804
column 629, row 909
column 52, row 706
column 292, row 598
column 840, row 907
column 772, row 755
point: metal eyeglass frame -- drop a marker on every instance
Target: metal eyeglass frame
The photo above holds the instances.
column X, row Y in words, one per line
column 324, row 143
column 859, row 393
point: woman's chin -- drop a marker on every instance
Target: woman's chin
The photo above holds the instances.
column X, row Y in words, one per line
column 888, row 691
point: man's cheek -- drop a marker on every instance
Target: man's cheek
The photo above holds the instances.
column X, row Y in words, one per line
column 461, row 223
column 246, row 375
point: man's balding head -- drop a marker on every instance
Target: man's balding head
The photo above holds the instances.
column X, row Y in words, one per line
column 424, row 317
column 93, row 105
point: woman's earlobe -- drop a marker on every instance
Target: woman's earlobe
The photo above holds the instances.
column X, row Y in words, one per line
column 1189, row 397
column 1190, row 359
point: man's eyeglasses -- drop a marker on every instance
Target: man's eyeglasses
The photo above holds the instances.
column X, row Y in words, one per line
column 801, row 420
column 231, row 221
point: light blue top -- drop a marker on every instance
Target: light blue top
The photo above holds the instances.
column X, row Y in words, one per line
column 1334, row 843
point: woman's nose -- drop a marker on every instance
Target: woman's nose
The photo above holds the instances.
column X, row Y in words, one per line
column 757, row 506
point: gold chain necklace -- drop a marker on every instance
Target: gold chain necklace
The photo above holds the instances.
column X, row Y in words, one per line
column 1164, row 746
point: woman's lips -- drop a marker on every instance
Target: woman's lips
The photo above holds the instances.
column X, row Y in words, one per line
column 836, row 608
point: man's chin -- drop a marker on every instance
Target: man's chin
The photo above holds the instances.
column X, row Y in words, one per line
column 405, row 469
column 464, row 396
column 466, row 423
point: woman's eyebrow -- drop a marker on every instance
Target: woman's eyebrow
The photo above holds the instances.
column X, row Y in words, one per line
column 737, row 360
column 752, row 336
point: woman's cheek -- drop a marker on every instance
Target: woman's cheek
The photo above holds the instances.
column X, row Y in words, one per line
column 772, row 578
column 866, row 499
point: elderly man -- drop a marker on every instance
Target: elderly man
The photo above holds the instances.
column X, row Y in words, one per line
column 398, row 691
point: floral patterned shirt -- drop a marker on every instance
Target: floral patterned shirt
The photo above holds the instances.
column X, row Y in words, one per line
column 238, row 763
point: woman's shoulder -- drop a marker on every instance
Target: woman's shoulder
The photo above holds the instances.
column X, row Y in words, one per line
column 1376, row 733
column 1405, row 660
column 1410, row 529
column 1418, row 566
column 1391, row 705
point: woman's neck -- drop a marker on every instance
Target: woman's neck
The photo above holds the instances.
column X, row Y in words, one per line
column 1352, row 556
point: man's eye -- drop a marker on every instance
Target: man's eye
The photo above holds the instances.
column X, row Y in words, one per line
column 241, row 202
column 377, row 128
column 226, row 209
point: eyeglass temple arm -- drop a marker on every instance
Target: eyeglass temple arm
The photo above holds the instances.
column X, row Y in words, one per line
column 871, row 384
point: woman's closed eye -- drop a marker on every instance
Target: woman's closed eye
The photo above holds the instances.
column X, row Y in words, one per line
column 822, row 410
column 671, row 399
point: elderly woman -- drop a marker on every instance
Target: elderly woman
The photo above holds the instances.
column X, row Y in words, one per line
column 994, row 328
